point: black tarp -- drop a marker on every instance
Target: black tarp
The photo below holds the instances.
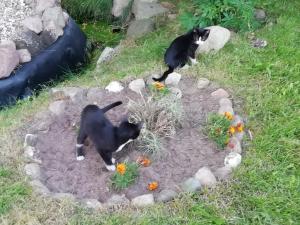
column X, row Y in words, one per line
column 66, row 53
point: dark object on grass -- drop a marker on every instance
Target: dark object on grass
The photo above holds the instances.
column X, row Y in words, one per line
column 67, row 53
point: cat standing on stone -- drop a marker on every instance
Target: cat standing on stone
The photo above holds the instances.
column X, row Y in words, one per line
column 106, row 137
column 182, row 49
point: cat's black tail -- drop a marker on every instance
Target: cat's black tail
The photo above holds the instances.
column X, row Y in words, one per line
column 165, row 75
column 106, row 108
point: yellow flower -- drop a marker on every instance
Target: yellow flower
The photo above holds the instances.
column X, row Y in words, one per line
column 152, row 186
column 121, row 168
column 231, row 130
column 239, row 127
column 159, row 86
column 228, row 115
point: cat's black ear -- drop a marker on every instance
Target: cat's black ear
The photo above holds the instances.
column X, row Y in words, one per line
column 206, row 33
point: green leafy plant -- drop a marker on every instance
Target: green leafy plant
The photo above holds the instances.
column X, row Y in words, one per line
column 124, row 176
column 86, row 10
column 217, row 129
column 233, row 14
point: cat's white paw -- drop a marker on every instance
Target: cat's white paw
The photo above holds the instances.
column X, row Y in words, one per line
column 80, row 158
column 111, row 167
column 194, row 61
column 113, row 160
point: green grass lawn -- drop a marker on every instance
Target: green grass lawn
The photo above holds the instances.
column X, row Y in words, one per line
column 265, row 189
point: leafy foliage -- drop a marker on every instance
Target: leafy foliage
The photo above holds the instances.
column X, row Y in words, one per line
column 217, row 128
column 121, row 181
column 233, row 14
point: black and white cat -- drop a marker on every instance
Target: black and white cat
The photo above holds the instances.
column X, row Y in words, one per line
column 106, row 137
column 182, row 49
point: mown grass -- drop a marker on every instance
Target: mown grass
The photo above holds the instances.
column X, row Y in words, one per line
column 265, row 82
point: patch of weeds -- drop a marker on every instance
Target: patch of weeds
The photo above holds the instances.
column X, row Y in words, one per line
column 125, row 175
column 233, row 14
column 217, row 129
column 150, row 143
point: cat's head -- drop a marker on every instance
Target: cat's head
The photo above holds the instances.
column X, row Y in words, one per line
column 200, row 35
column 130, row 130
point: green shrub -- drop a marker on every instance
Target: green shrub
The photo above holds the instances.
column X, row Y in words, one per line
column 120, row 181
column 233, row 14
column 217, row 129
column 84, row 10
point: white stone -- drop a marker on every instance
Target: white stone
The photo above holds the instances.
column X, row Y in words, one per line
column 173, row 79
column 220, row 93
column 147, row 9
column 223, row 173
column 225, row 102
column 54, row 30
column 24, row 55
column 137, row 85
column 191, row 185
column 9, row 58
column 143, row 200
column 33, row 170
column 29, row 152
column 54, row 14
column 117, row 200
column 57, row 107
column 114, row 86
column 233, row 160
column 216, row 40
column 202, row 83
column 92, row 203
column 225, row 108
column 206, row 177
column 30, row 140
column 166, row 195
column 66, row 17
column 106, row 55
column 34, row 23
column 44, row 4
column 118, row 7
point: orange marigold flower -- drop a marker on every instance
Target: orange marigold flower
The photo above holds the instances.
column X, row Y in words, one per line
column 159, row 86
column 231, row 130
column 239, row 127
column 228, row 115
column 152, row 186
column 121, row 168
column 143, row 161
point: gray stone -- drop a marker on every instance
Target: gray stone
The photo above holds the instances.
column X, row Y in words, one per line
column 176, row 92
column 143, row 200
column 191, row 185
column 118, row 7
column 33, row 170
column 225, row 102
column 146, row 10
column 54, row 15
column 223, row 173
column 92, row 203
column 234, row 145
column 139, row 28
column 44, row 4
column 30, row 155
column 9, row 58
column 24, row 55
column 166, row 195
column 233, row 160
column 220, row 93
column 117, row 200
column 39, row 187
column 34, row 23
column 106, row 55
column 114, row 86
column 57, row 107
column 173, row 79
column 206, row 177
column 202, row 83
column 260, row 14
column 216, row 40
column 137, row 85
column 95, row 95
column 30, row 140
column 225, row 108
column 66, row 17
column 51, row 33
